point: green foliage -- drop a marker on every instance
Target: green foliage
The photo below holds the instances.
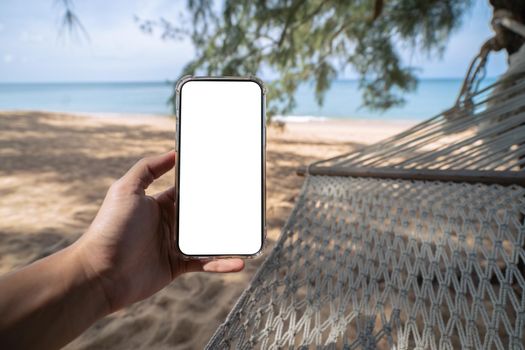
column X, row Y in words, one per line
column 315, row 40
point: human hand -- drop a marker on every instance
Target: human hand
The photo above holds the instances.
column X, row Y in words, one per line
column 130, row 247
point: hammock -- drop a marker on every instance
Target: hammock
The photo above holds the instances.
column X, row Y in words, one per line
column 414, row 242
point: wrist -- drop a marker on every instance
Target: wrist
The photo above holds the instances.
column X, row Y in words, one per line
column 86, row 280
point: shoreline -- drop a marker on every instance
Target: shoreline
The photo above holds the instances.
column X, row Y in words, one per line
column 287, row 119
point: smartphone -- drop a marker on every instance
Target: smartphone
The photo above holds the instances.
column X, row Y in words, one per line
column 220, row 178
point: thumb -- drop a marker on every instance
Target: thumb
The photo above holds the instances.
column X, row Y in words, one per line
column 142, row 174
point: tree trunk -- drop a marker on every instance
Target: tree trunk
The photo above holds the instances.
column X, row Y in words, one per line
column 508, row 40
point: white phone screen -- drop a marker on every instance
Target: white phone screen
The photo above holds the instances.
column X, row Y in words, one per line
column 220, row 167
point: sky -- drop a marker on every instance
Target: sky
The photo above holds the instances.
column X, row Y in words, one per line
column 32, row 50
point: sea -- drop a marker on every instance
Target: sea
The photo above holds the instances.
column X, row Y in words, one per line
column 126, row 99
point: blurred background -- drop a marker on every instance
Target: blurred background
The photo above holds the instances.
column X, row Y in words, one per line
column 123, row 56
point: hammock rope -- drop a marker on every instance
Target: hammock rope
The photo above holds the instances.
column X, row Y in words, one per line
column 394, row 259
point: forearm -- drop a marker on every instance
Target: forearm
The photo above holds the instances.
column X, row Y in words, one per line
column 48, row 303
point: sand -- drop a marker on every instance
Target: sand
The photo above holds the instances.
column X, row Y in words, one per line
column 54, row 172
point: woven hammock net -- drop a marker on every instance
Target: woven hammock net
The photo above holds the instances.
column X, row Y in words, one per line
column 378, row 263
column 485, row 133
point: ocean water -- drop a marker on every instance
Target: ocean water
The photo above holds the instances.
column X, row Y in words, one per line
column 135, row 98
column 342, row 101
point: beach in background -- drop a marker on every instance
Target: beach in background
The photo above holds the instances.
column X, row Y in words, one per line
column 342, row 100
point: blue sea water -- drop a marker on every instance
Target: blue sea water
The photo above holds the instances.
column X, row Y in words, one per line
column 136, row 98
column 342, row 101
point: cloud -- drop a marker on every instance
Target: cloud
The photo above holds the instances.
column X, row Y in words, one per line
column 8, row 58
column 31, row 37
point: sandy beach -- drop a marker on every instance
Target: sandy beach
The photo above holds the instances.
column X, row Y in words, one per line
column 54, row 172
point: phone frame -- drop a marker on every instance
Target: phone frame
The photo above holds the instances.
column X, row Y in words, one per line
column 178, row 100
